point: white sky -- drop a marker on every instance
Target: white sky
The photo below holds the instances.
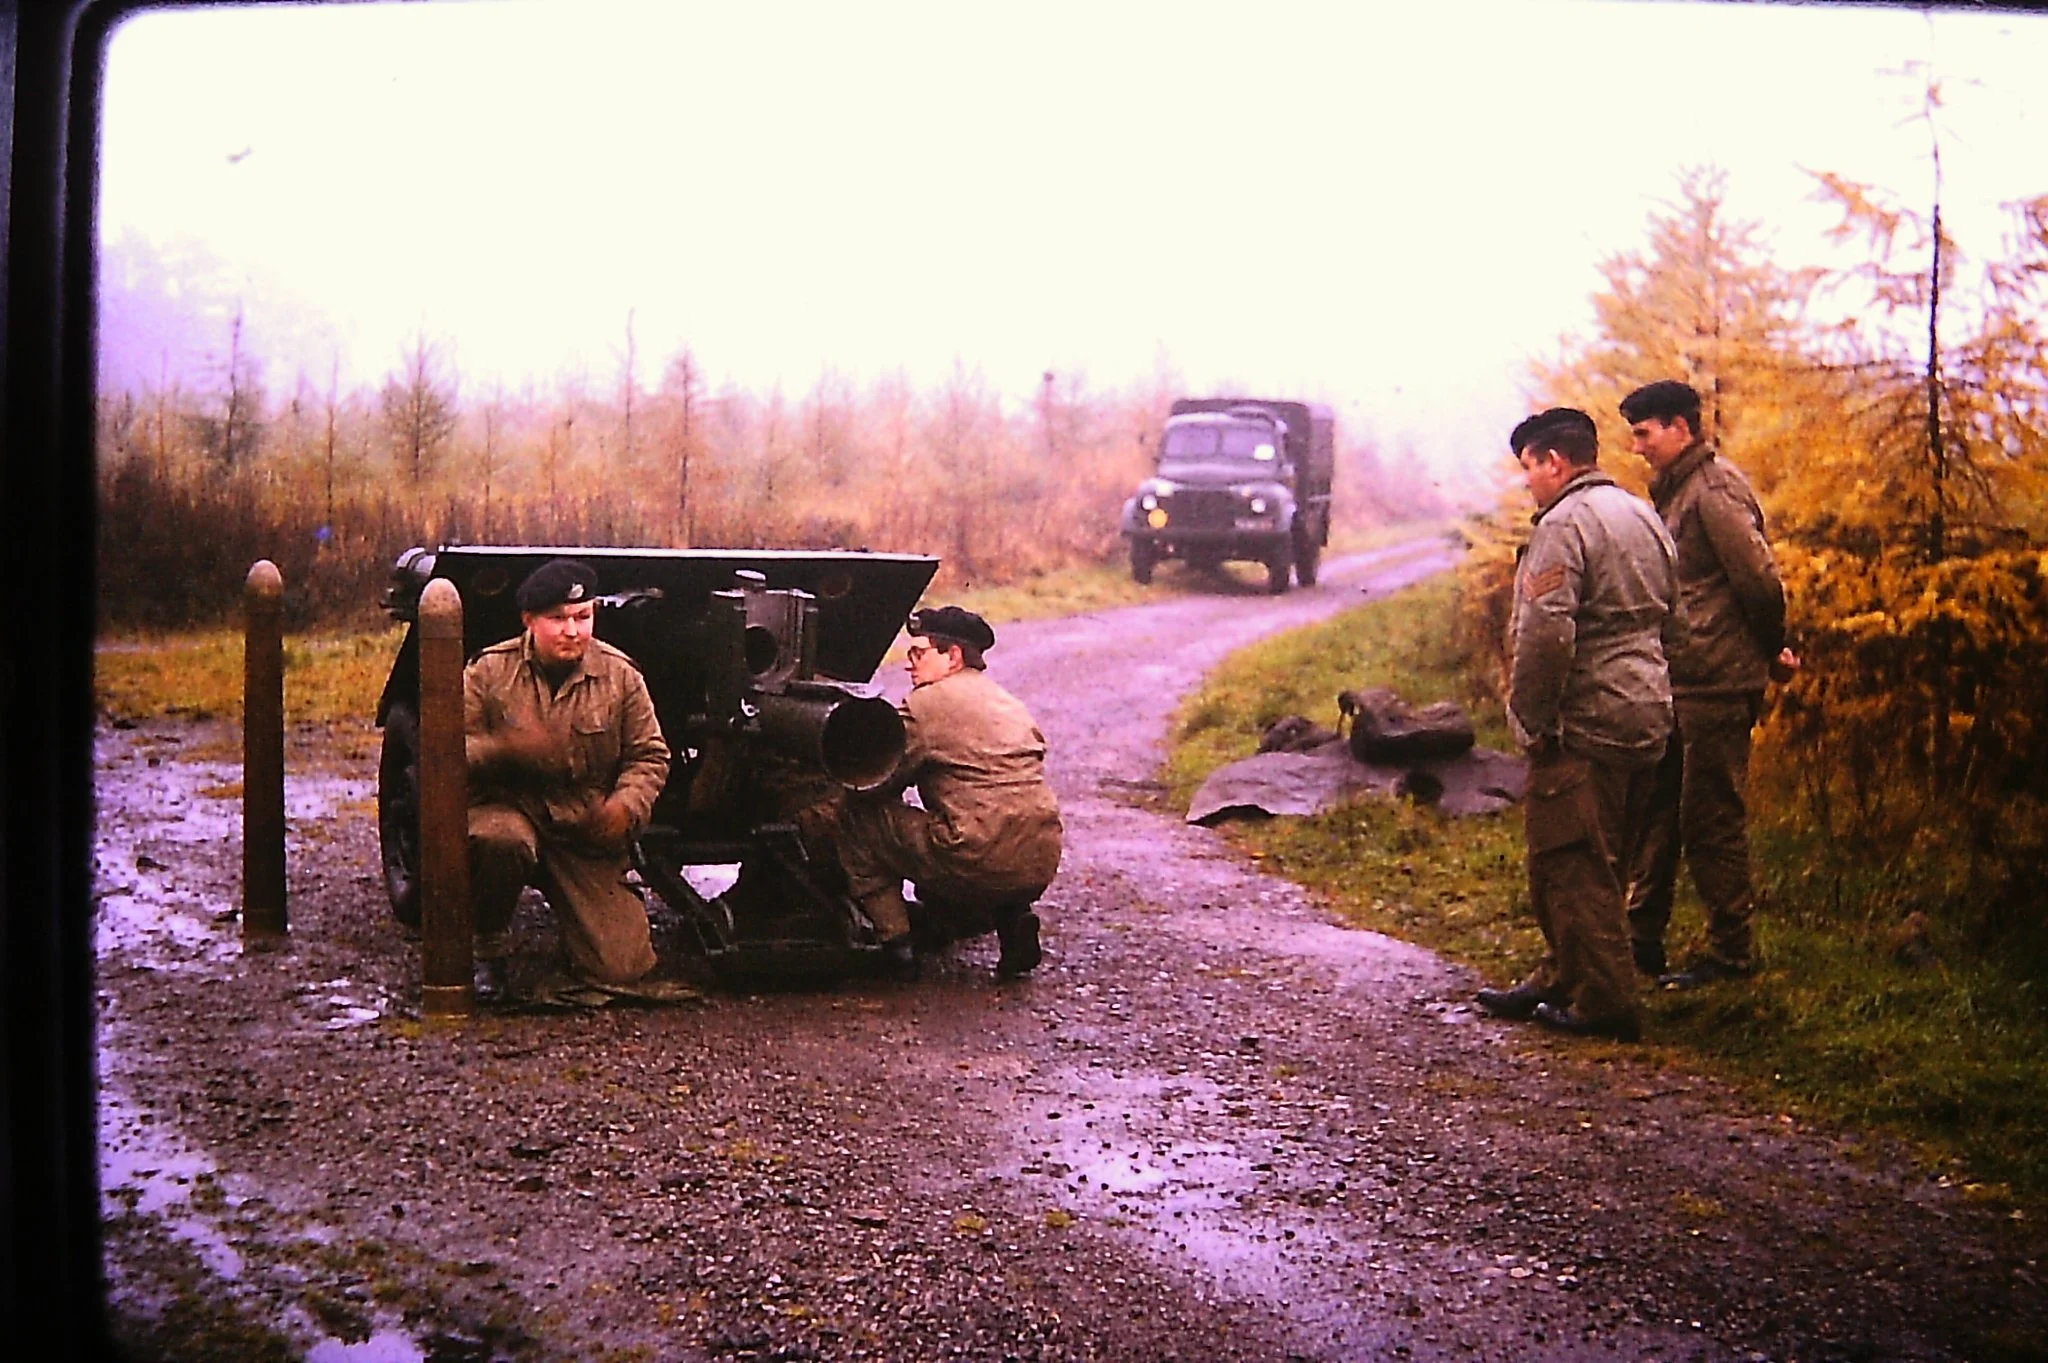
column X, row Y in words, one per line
column 1392, row 208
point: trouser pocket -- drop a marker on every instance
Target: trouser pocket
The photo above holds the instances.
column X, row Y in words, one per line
column 1560, row 807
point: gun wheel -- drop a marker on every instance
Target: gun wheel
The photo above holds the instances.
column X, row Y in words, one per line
column 398, row 813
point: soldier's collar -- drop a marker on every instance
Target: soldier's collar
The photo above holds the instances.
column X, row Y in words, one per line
column 1592, row 477
column 1683, row 467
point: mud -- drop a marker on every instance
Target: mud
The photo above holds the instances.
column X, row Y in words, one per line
column 1214, row 1125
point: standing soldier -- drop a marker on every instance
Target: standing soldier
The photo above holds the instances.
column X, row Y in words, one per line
column 1732, row 606
column 565, row 761
column 1589, row 699
column 986, row 840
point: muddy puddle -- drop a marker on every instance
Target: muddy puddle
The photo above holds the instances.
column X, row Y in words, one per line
column 166, row 851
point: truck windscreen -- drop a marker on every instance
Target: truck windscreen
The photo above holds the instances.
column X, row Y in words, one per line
column 1214, row 440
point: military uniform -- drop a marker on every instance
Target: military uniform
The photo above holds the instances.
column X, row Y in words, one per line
column 1732, row 603
column 1589, row 698
column 989, row 829
column 524, row 827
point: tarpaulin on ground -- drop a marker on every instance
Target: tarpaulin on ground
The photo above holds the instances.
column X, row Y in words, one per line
column 1477, row 781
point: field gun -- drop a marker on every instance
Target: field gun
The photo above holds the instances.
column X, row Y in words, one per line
column 760, row 664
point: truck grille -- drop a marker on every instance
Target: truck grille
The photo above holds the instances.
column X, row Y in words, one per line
column 1203, row 508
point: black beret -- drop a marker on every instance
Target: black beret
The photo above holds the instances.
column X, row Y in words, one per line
column 1549, row 424
column 952, row 622
column 1662, row 401
column 557, row 581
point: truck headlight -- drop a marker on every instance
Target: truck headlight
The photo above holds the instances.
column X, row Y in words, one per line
column 1148, row 502
column 1258, row 506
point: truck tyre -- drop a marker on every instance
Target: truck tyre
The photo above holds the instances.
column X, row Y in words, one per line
column 1278, row 564
column 398, row 813
column 1143, row 558
column 1308, row 557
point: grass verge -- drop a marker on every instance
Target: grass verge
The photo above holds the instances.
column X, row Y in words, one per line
column 328, row 678
column 1948, row 1055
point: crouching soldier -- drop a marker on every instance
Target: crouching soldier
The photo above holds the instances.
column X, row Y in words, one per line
column 565, row 758
column 987, row 841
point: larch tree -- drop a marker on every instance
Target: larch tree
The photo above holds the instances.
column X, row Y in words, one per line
column 419, row 408
column 1702, row 302
column 681, row 385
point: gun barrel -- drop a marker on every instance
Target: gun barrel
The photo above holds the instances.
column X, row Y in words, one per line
column 855, row 740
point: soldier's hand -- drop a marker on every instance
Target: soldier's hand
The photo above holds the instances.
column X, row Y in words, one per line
column 533, row 747
column 606, row 823
column 1784, row 665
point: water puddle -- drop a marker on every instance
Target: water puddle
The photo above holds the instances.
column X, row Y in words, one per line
column 338, row 1005
column 147, row 1170
column 1178, row 1160
column 385, row 1346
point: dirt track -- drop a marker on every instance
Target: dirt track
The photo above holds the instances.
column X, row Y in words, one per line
column 1213, row 1125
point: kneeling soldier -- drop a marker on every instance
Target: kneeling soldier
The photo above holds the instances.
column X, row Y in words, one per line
column 987, row 841
column 566, row 758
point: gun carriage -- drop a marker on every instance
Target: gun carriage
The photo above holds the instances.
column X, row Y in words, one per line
column 760, row 664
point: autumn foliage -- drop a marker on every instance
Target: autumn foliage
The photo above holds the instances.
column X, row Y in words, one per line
column 333, row 485
column 1894, row 418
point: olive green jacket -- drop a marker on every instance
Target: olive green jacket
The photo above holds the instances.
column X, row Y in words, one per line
column 978, row 762
column 1729, row 592
column 601, row 715
column 1593, row 603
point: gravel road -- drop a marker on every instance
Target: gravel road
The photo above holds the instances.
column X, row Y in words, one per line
column 1214, row 1125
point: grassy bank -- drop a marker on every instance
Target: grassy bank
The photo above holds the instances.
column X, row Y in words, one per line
column 1948, row 1054
column 328, row 678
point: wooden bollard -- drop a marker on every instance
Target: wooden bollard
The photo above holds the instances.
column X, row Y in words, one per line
column 445, row 916
column 263, row 909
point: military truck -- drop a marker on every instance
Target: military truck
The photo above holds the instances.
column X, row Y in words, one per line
column 760, row 664
column 1244, row 479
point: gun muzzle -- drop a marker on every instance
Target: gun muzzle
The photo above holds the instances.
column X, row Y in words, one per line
column 855, row 740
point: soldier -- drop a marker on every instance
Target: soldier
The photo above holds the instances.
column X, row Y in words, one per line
column 1589, row 699
column 987, row 841
column 1733, row 609
column 565, row 761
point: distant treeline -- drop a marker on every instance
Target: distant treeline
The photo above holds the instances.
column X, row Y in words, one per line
column 199, row 482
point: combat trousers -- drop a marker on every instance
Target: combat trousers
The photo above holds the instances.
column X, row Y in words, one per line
column 883, row 843
column 603, row 923
column 1697, row 808
column 1580, row 816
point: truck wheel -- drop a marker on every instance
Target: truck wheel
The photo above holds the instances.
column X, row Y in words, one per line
column 1143, row 558
column 1308, row 557
column 1278, row 565
column 398, row 813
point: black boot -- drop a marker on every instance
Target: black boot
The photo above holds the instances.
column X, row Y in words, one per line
column 1564, row 1018
column 1516, row 1005
column 1649, row 959
column 1021, row 952
column 491, row 981
column 899, row 960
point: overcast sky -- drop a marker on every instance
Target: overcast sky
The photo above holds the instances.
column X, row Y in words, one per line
column 1392, row 208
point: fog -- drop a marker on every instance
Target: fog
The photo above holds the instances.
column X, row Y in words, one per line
column 1390, row 209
